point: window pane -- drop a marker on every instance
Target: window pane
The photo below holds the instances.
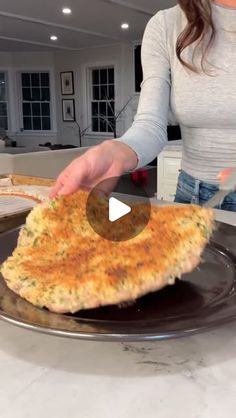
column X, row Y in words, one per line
column 102, row 85
column 35, row 94
column 35, row 79
column 2, row 87
column 2, row 94
column 95, row 124
column 45, row 95
column 27, row 124
column 3, row 102
column 110, row 108
column 36, row 91
column 26, row 94
column 94, row 108
column 111, row 76
column 46, row 124
column 110, row 128
column 36, row 109
column 3, row 123
column 95, row 76
column 103, row 126
column 111, row 124
column 37, row 124
column 103, row 76
column 44, row 79
column 25, row 79
column 111, row 90
column 103, row 108
column 26, row 109
column 45, row 109
column 138, row 68
column 2, row 78
column 96, row 94
column 104, row 93
column 3, row 109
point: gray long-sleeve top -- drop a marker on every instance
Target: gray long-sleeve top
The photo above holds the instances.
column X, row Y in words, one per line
column 204, row 103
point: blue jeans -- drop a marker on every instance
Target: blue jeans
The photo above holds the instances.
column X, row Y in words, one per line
column 191, row 190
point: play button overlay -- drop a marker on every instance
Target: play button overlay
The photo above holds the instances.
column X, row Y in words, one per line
column 118, row 210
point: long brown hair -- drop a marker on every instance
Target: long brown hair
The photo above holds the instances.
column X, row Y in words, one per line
column 200, row 24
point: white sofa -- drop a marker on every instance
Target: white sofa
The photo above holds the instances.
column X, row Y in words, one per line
column 46, row 164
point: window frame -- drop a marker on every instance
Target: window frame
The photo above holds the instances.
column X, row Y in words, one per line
column 89, row 97
column 51, row 103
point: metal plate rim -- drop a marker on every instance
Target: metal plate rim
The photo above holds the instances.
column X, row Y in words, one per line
column 119, row 337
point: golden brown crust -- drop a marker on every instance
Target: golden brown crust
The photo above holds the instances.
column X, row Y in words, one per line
column 60, row 262
column 20, row 180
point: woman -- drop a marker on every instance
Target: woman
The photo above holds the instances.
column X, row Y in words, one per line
column 189, row 66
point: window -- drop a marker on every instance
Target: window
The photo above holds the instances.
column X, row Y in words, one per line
column 3, row 102
column 138, row 71
column 36, row 107
column 102, row 99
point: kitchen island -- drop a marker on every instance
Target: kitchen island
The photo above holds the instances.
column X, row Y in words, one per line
column 44, row 376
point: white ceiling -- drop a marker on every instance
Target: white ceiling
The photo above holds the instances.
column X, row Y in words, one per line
column 26, row 25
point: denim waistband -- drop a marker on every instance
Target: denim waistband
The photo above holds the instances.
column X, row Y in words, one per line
column 192, row 190
column 197, row 185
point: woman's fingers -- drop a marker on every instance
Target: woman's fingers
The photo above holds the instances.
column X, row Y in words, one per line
column 54, row 191
column 69, row 181
column 107, row 160
column 70, row 185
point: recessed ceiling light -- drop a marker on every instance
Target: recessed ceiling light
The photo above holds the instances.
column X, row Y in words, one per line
column 66, row 11
column 53, row 38
column 125, row 26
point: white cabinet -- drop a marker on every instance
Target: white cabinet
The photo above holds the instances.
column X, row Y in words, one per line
column 169, row 163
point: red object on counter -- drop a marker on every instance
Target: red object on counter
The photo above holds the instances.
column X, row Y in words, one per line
column 140, row 177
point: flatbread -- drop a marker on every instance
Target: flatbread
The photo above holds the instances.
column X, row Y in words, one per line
column 60, row 263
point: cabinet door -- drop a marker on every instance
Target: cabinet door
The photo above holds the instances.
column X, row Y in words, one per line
column 171, row 167
column 167, row 176
column 167, row 192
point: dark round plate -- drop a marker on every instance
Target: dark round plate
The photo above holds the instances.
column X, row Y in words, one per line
column 203, row 299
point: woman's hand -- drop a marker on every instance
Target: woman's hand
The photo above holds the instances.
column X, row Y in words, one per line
column 109, row 159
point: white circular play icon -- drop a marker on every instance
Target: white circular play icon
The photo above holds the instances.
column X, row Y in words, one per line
column 117, row 209
column 114, row 215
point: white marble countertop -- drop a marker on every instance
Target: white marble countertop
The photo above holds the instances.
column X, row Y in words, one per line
column 43, row 376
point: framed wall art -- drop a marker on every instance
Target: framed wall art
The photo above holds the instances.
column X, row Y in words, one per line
column 68, row 110
column 67, row 83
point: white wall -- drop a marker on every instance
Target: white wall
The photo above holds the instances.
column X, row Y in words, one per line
column 121, row 57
